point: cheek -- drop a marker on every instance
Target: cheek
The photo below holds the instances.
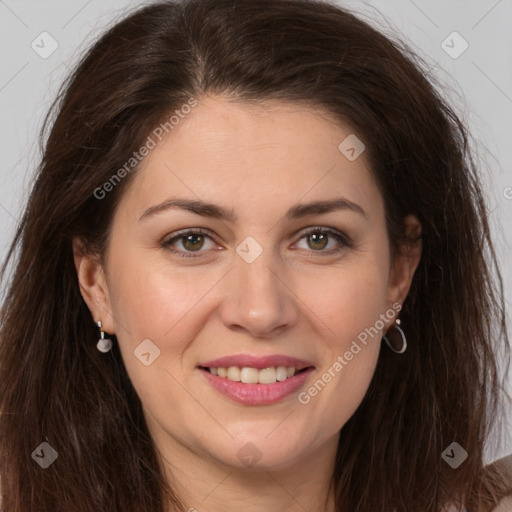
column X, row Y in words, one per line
column 348, row 299
column 155, row 299
column 152, row 300
column 349, row 308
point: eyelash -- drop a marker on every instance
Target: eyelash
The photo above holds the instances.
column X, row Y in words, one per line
column 340, row 237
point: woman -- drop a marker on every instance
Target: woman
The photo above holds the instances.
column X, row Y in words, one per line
column 237, row 202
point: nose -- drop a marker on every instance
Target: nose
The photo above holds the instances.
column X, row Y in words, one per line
column 258, row 300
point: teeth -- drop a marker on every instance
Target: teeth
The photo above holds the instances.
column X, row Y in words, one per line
column 249, row 375
column 234, row 373
column 281, row 373
column 267, row 376
column 254, row 375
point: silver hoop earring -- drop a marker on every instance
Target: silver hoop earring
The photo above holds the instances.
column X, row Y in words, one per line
column 402, row 335
column 104, row 344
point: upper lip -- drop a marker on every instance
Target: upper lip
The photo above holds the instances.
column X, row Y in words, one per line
column 259, row 362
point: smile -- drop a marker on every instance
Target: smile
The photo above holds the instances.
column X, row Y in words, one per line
column 251, row 393
column 248, row 375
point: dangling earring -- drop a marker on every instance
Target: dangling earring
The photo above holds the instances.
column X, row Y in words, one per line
column 404, row 340
column 104, row 344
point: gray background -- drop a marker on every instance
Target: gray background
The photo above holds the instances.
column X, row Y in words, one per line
column 479, row 82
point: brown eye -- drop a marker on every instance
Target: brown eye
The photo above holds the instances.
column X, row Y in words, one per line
column 193, row 242
column 318, row 240
column 188, row 242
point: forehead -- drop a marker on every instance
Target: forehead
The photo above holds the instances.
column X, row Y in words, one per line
column 253, row 158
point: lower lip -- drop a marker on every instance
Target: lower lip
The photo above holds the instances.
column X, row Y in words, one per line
column 257, row 394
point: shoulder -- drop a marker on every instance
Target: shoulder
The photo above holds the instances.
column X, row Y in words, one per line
column 505, row 463
column 505, row 505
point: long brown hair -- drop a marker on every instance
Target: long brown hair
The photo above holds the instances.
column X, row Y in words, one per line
column 56, row 387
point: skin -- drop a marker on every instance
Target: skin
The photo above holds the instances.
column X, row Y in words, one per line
column 257, row 161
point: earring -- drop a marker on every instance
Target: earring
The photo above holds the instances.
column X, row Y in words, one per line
column 104, row 344
column 404, row 340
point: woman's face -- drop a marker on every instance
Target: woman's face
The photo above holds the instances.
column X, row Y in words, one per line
column 251, row 285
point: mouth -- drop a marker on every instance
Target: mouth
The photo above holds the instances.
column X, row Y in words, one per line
column 256, row 380
column 251, row 375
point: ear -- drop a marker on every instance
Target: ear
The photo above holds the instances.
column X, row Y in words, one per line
column 93, row 285
column 406, row 261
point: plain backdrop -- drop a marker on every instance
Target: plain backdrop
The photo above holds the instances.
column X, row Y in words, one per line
column 474, row 66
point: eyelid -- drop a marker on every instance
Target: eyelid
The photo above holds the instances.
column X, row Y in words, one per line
column 325, row 229
column 187, row 231
column 166, row 242
column 344, row 239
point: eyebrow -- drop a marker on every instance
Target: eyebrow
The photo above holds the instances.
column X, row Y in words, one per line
column 214, row 211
